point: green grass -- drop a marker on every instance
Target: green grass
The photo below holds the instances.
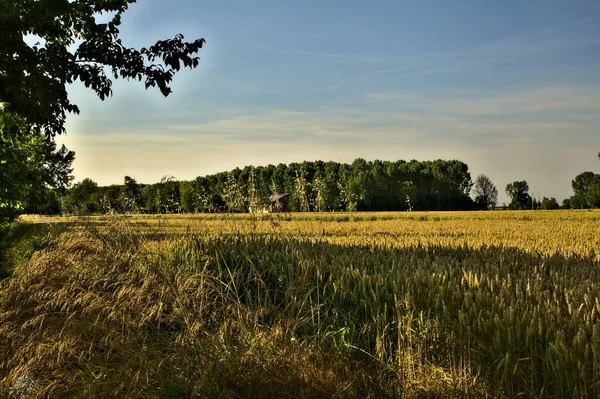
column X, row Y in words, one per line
column 19, row 241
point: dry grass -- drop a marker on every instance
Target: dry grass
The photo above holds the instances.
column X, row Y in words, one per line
column 564, row 232
column 355, row 305
column 110, row 314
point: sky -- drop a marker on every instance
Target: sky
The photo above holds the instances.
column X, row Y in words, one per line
column 512, row 88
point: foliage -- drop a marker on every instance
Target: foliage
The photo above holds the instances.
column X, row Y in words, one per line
column 168, row 195
column 586, row 189
column 191, row 199
column 314, row 186
column 518, row 192
column 593, row 194
column 332, row 186
column 74, row 46
column 549, row 203
column 131, row 196
column 32, row 170
column 253, row 198
column 301, row 192
column 485, row 192
column 232, row 194
column 83, row 198
column 319, row 197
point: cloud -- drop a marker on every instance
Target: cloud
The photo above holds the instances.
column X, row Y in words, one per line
column 517, row 48
column 516, row 104
column 347, row 57
column 326, row 123
column 546, row 135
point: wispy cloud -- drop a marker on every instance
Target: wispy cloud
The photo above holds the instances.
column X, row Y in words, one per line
column 518, row 47
column 505, row 103
column 352, row 57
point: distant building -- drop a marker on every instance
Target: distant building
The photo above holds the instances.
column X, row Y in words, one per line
column 274, row 203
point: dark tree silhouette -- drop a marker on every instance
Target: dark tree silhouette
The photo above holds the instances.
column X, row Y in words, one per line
column 485, row 192
column 34, row 79
column 518, row 191
column 73, row 46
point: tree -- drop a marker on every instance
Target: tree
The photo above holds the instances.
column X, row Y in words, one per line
column 578, row 202
column 131, row 196
column 150, row 199
column 319, row 200
column 73, row 46
column 549, row 203
column 409, row 193
column 232, row 194
column 111, row 201
column 168, row 195
column 582, row 183
column 593, row 195
column 253, row 200
column 301, row 191
column 485, row 192
column 518, row 191
column 83, row 198
column 586, row 190
column 32, row 171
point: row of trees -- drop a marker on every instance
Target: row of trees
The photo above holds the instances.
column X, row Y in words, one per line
column 518, row 193
column 314, row 186
column 325, row 186
column 586, row 194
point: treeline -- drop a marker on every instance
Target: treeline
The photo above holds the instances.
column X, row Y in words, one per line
column 586, row 194
column 314, row 186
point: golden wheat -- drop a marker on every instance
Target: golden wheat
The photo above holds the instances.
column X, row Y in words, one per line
column 451, row 304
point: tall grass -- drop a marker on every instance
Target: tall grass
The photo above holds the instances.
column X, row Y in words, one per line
column 107, row 313
column 19, row 241
column 256, row 311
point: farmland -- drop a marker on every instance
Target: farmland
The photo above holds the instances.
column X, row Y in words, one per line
column 411, row 304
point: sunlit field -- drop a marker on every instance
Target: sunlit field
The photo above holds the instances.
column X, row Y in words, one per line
column 546, row 232
column 415, row 304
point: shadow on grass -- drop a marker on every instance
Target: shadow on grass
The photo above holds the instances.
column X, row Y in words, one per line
column 527, row 323
column 20, row 240
column 266, row 316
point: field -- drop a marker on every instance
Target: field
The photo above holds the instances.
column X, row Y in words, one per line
column 349, row 305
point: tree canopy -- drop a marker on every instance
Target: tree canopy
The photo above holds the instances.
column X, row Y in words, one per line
column 586, row 189
column 313, row 186
column 71, row 44
column 32, row 170
column 518, row 192
column 485, row 192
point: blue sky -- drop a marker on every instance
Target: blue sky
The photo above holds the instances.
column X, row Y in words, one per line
column 512, row 88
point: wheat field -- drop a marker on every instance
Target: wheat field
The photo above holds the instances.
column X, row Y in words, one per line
column 415, row 305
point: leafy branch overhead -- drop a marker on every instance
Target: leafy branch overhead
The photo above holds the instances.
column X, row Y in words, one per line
column 75, row 46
